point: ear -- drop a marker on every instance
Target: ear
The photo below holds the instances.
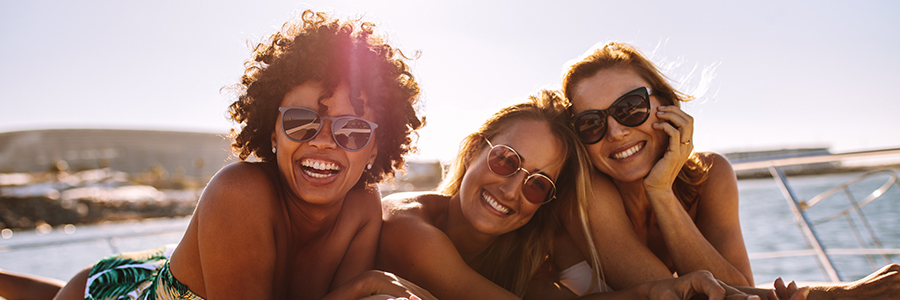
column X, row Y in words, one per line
column 273, row 137
column 373, row 153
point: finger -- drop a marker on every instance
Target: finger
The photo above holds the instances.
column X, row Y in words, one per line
column 801, row 294
column 674, row 134
column 792, row 288
column 704, row 283
column 780, row 289
column 675, row 115
column 770, row 294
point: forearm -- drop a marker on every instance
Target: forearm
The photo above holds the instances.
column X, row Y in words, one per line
column 688, row 247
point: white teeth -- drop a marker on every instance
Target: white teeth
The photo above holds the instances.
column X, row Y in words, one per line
column 493, row 203
column 631, row 151
column 322, row 166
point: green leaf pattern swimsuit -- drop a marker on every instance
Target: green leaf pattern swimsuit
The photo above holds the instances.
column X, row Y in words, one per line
column 136, row 275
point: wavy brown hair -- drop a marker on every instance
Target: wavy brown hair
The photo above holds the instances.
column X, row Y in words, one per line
column 615, row 54
column 318, row 48
column 513, row 259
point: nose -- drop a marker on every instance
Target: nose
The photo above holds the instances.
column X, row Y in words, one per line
column 511, row 186
column 614, row 130
column 324, row 140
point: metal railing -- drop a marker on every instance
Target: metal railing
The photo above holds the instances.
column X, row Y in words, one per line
column 799, row 207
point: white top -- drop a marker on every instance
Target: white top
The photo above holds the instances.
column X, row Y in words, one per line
column 577, row 278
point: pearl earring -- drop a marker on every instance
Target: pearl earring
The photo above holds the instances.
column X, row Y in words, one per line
column 273, row 149
column 369, row 167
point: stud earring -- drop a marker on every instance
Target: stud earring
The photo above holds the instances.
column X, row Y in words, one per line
column 273, row 149
column 369, row 167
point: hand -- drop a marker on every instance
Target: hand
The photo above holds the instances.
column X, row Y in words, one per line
column 694, row 285
column 882, row 284
column 379, row 285
column 679, row 126
column 789, row 292
column 388, row 297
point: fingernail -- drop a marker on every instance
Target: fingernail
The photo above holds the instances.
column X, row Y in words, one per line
column 662, row 106
column 753, row 297
column 414, row 297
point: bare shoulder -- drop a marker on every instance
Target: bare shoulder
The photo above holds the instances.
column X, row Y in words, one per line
column 412, row 216
column 419, row 205
column 719, row 163
column 240, row 187
column 603, row 191
column 409, row 236
column 721, row 177
column 363, row 204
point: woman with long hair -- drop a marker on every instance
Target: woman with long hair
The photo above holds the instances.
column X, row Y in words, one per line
column 490, row 229
column 676, row 210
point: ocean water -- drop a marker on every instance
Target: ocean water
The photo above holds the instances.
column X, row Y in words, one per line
column 766, row 220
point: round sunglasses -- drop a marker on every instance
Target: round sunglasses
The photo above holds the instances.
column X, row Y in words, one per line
column 632, row 109
column 302, row 124
column 504, row 161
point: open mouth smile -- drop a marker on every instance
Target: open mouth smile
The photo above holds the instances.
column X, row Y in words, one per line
column 487, row 198
column 319, row 168
column 628, row 152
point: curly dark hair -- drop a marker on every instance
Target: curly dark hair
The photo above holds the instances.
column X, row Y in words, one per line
column 321, row 49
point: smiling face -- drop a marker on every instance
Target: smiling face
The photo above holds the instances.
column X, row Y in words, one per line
column 319, row 171
column 494, row 204
column 625, row 153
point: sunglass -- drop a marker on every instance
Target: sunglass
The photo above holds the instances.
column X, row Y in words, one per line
column 632, row 109
column 503, row 160
column 302, row 124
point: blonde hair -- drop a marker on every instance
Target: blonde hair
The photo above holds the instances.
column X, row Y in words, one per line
column 615, row 54
column 513, row 259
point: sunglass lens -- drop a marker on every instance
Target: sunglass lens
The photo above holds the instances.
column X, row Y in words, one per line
column 352, row 133
column 590, row 127
column 537, row 189
column 632, row 110
column 300, row 124
column 503, row 160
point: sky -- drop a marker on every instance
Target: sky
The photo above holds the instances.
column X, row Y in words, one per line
column 778, row 74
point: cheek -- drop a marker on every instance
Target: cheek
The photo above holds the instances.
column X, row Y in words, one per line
column 528, row 213
column 595, row 152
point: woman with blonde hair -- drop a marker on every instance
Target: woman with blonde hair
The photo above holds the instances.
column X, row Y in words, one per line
column 490, row 229
column 676, row 210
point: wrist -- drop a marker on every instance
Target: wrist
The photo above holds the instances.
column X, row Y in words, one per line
column 659, row 194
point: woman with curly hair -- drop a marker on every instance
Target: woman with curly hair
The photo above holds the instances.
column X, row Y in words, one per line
column 327, row 107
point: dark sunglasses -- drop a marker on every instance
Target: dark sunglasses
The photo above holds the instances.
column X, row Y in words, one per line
column 302, row 124
column 503, row 160
column 632, row 109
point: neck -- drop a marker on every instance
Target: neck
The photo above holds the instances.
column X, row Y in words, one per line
column 468, row 241
column 309, row 221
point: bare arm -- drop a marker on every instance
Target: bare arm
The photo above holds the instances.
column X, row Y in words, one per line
column 625, row 260
column 715, row 242
column 423, row 254
column 364, row 205
column 236, row 238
